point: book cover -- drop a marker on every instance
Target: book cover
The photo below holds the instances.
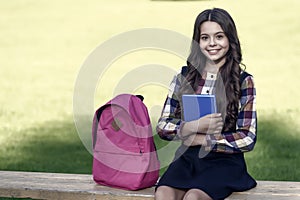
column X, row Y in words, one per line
column 196, row 106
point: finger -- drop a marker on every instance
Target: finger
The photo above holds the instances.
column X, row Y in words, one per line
column 213, row 115
column 214, row 132
column 215, row 129
column 220, row 124
column 218, row 131
column 216, row 122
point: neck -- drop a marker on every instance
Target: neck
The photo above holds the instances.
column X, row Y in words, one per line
column 214, row 65
column 211, row 68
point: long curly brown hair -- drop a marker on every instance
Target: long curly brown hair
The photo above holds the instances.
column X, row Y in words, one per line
column 227, row 88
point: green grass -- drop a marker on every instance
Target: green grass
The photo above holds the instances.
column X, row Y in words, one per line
column 52, row 147
column 43, row 44
column 276, row 155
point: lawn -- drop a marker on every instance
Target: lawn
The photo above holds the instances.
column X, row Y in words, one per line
column 44, row 44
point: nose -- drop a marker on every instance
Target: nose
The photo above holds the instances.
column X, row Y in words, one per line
column 212, row 42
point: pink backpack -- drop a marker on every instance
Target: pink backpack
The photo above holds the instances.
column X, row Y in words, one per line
column 123, row 146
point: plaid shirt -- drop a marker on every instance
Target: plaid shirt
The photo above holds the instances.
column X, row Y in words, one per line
column 242, row 140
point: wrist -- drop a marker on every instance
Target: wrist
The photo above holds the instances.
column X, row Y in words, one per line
column 188, row 128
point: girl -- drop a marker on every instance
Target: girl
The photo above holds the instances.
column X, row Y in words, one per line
column 210, row 162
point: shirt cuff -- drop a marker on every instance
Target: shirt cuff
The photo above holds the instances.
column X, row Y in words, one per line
column 179, row 131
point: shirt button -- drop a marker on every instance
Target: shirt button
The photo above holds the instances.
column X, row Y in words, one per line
column 212, row 76
column 207, row 91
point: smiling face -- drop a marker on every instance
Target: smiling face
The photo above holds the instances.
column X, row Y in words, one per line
column 214, row 44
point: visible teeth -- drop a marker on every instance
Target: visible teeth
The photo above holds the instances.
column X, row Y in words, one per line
column 213, row 51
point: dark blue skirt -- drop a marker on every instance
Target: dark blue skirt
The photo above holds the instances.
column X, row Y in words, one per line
column 217, row 174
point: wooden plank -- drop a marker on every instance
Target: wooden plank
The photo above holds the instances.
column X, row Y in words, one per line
column 62, row 186
column 270, row 190
column 81, row 186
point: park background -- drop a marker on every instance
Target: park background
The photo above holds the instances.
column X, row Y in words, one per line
column 44, row 43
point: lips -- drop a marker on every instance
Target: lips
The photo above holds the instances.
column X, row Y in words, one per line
column 213, row 51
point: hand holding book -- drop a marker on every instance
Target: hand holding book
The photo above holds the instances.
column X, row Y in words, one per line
column 200, row 117
column 208, row 124
column 194, row 131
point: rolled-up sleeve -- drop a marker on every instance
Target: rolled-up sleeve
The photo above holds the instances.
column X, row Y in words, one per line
column 244, row 138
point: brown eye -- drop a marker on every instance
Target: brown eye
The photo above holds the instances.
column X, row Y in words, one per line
column 204, row 38
column 219, row 37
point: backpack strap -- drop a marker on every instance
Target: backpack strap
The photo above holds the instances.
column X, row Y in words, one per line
column 243, row 76
column 184, row 70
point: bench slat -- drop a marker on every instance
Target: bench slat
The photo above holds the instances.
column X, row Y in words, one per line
column 39, row 185
column 277, row 190
column 61, row 186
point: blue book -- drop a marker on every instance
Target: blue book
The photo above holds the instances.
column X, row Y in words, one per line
column 196, row 106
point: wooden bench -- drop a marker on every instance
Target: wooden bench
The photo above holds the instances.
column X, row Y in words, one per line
column 80, row 186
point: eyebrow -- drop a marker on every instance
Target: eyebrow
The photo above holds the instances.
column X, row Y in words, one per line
column 214, row 33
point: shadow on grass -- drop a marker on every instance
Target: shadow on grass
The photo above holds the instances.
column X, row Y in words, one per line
column 50, row 147
column 276, row 154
